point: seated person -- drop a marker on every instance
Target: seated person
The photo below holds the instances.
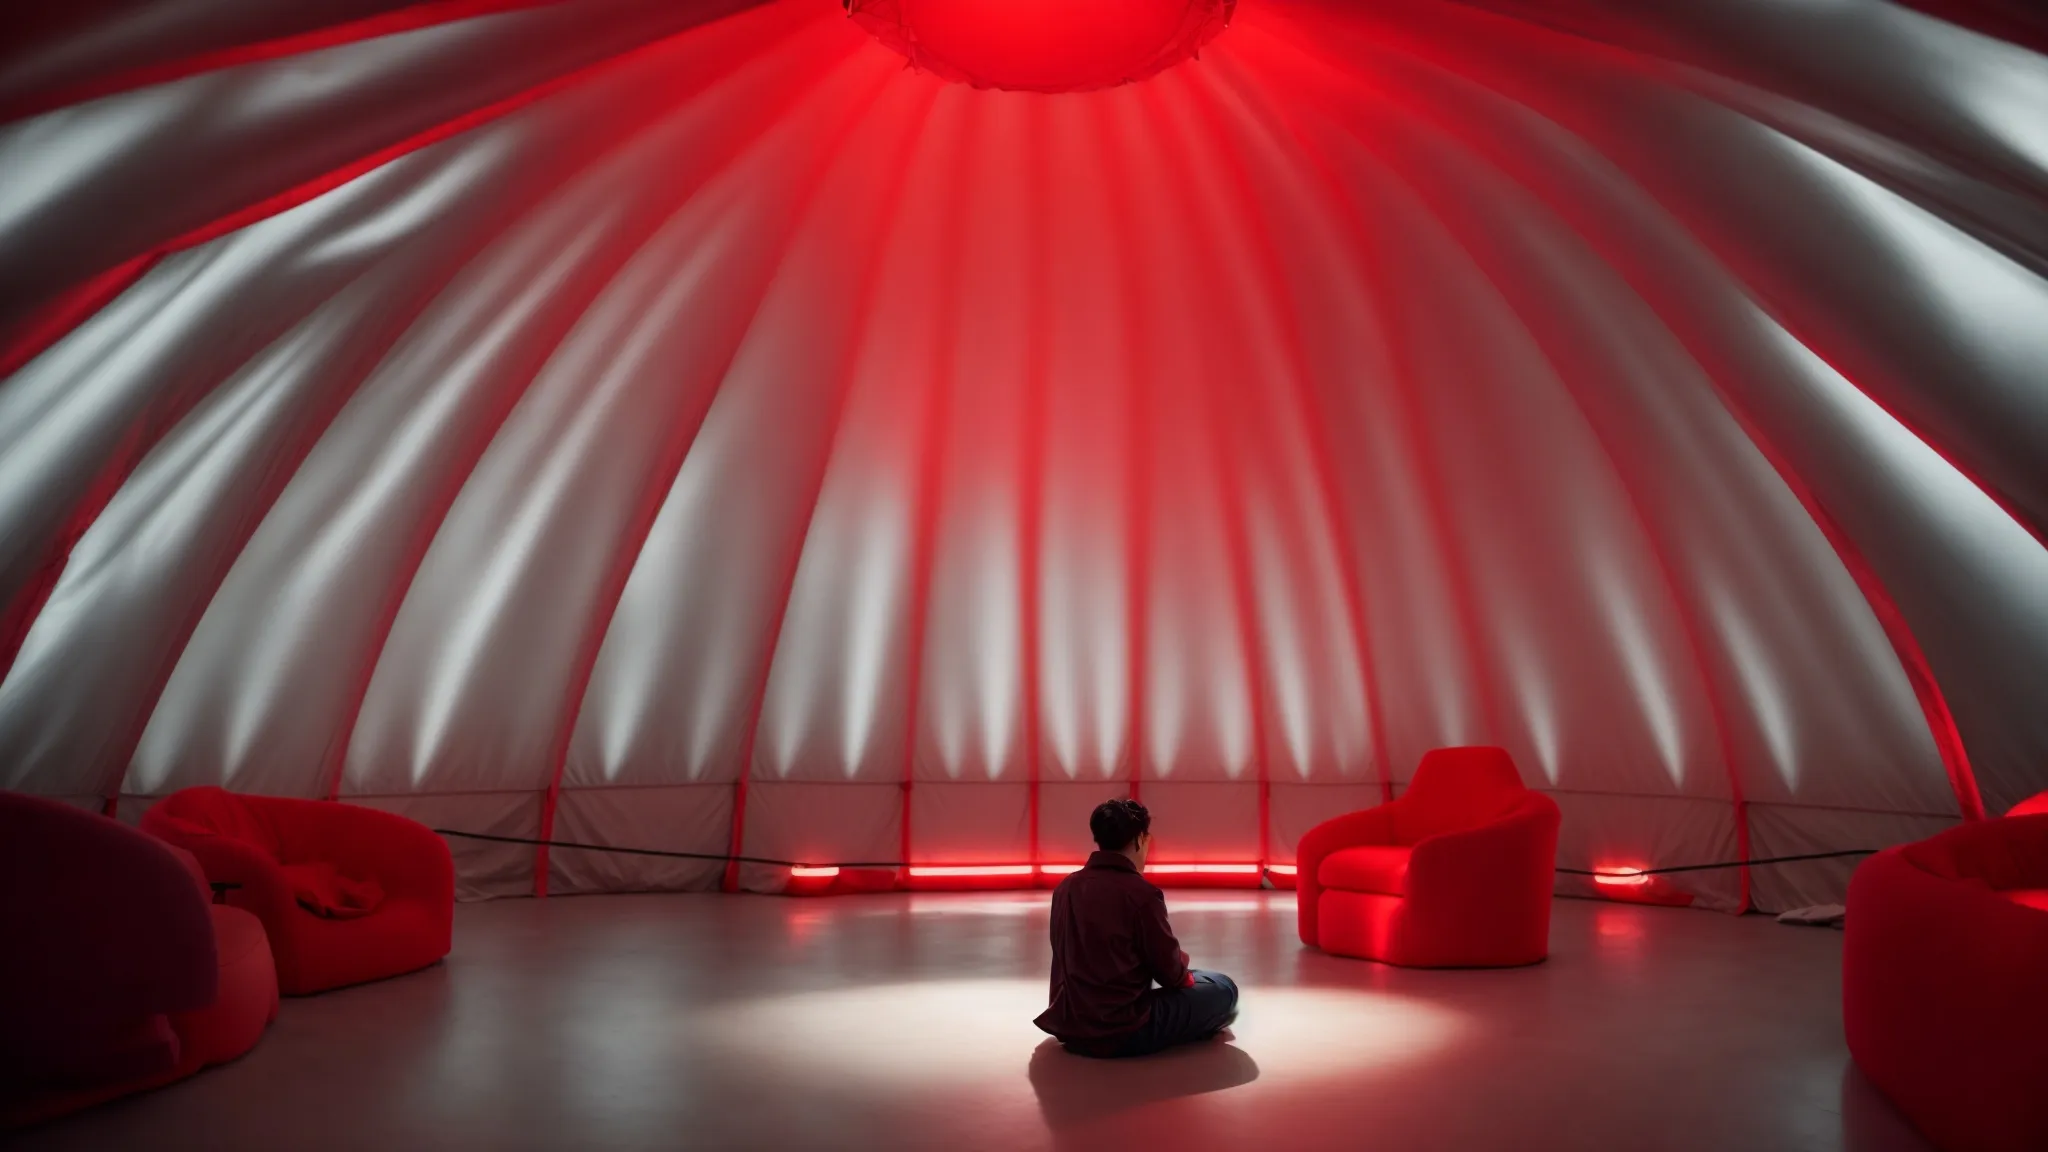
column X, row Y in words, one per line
column 1111, row 941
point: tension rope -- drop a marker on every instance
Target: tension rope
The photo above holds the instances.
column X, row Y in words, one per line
column 729, row 858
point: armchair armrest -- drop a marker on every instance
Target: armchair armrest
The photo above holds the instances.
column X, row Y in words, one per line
column 1520, row 848
column 1491, row 884
column 1352, row 829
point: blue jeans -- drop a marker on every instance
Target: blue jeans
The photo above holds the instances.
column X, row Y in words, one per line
column 1183, row 1015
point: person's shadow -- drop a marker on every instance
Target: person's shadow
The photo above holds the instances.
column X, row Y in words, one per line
column 1077, row 1089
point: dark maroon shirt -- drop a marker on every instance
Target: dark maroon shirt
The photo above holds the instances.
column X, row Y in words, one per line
column 1110, row 942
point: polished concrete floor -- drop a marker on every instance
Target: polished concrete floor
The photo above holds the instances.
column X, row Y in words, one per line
column 902, row 1022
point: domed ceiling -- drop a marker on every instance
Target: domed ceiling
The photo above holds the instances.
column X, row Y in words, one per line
column 686, row 425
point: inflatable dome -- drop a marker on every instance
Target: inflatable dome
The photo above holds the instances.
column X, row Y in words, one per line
column 708, row 427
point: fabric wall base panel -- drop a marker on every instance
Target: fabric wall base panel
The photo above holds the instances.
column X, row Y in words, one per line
column 1203, row 823
column 818, row 823
column 970, row 823
column 1063, row 818
column 1296, row 808
column 1622, row 832
column 130, row 809
column 685, row 818
column 482, row 869
column 1788, row 830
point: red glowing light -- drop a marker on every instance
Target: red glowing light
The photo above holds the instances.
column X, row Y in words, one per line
column 971, row 870
column 806, row 872
column 1281, row 869
column 1043, row 45
column 1620, row 877
column 1204, row 869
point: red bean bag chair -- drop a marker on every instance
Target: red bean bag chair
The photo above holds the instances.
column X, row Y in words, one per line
column 118, row 972
column 347, row 893
column 1945, row 983
column 1454, row 874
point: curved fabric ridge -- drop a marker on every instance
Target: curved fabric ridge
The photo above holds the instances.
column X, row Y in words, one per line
column 682, row 426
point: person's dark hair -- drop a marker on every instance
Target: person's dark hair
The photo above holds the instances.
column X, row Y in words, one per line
column 1116, row 823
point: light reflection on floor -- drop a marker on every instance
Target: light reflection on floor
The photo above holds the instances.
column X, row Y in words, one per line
column 903, row 1022
column 958, row 1032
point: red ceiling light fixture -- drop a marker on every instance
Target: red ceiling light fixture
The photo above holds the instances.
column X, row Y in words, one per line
column 1043, row 45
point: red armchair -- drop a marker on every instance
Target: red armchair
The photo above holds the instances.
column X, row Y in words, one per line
column 1945, row 982
column 118, row 973
column 1455, row 874
column 273, row 848
column 2034, row 805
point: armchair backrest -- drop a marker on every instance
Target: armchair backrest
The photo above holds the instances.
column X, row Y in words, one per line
column 2004, row 854
column 102, row 923
column 1455, row 789
column 220, row 812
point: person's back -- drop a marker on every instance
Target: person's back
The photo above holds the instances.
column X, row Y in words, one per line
column 1111, row 943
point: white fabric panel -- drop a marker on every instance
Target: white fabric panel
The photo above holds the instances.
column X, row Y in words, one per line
column 1736, row 544
column 837, row 700
column 1944, row 333
column 1703, row 161
column 480, row 679
column 88, row 673
column 1296, row 808
column 1897, row 499
column 1202, row 822
column 1063, row 811
column 1336, row 282
column 1747, row 554
column 211, row 144
column 1624, row 832
column 90, row 46
column 129, row 810
column 1086, row 521
column 1570, row 606
column 267, row 686
column 1196, row 721
column 971, row 704
column 670, row 818
column 823, row 823
column 1793, row 830
column 156, row 555
column 677, row 682
column 484, row 869
column 1317, row 724
column 976, row 823
column 1971, row 582
column 84, row 408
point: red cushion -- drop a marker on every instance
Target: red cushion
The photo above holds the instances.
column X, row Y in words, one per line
column 2031, row 897
column 1373, row 868
column 322, row 890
